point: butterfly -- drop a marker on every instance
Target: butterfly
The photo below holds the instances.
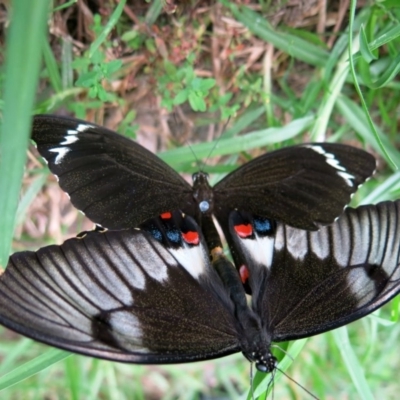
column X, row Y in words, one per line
column 157, row 287
column 153, row 295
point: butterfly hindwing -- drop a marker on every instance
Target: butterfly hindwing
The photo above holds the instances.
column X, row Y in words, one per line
column 119, row 295
column 153, row 295
column 312, row 282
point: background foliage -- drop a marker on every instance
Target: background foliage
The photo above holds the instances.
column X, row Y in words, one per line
column 234, row 80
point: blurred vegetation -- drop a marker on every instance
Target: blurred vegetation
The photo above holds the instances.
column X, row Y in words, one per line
column 253, row 76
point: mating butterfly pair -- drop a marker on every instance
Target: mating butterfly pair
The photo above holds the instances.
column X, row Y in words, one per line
column 160, row 290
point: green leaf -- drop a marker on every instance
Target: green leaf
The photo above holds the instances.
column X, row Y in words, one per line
column 222, row 100
column 181, row 97
column 93, row 92
column 97, row 57
column 170, row 68
column 102, row 94
column 196, row 102
column 87, row 79
column 81, row 63
column 112, row 67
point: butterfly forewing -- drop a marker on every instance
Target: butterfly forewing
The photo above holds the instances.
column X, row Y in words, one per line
column 304, row 186
column 120, row 296
column 119, row 184
column 116, row 182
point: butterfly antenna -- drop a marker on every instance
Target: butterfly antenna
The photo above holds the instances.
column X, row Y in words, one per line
column 215, row 144
column 252, row 381
column 283, row 351
column 198, row 162
column 298, row 384
column 271, row 383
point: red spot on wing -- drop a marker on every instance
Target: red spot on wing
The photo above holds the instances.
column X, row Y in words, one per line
column 244, row 273
column 166, row 215
column 191, row 237
column 244, row 230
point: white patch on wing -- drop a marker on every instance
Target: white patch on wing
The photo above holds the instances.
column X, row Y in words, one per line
column 154, row 259
column 361, row 285
column 126, row 330
column 317, row 149
column 105, row 270
column 130, row 270
column 341, row 241
column 333, row 162
column 319, row 242
column 383, row 240
column 84, row 127
column 259, row 249
column 193, row 258
column 361, row 240
column 374, row 237
column 69, row 288
column 69, row 140
column 280, row 239
column 61, row 152
column 390, row 260
column 347, row 178
column 296, row 242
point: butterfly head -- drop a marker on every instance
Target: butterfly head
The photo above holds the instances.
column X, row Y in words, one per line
column 266, row 363
column 202, row 193
column 258, row 351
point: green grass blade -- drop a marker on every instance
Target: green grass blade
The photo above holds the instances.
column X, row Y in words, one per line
column 29, row 196
column 32, row 367
column 353, row 366
column 385, row 191
column 52, row 67
column 262, row 381
column 244, row 121
column 237, row 144
column 24, row 41
column 356, row 117
column 110, row 25
column 382, row 147
column 154, row 11
column 293, row 45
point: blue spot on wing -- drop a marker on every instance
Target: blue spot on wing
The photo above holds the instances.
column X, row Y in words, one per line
column 262, row 225
column 156, row 233
column 174, row 235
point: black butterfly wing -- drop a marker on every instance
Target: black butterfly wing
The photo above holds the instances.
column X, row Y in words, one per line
column 313, row 282
column 121, row 296
column 304, row 186
column 116, row 182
